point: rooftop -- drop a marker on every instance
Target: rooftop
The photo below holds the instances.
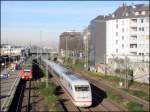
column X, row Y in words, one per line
column 125, row 11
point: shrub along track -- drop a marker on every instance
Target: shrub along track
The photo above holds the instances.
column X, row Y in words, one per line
column 104, row 85
column 99, row 103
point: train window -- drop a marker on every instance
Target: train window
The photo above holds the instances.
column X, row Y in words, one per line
column 81, row 88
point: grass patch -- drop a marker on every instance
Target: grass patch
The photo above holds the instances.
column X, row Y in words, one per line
column 130, row 105
column 134, row 106
column 125, row 90
column 114, row 97
column 136, row 93
column 49, row 95
column 147, row 98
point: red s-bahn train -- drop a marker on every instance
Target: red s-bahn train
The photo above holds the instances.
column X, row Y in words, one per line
column 26, row 72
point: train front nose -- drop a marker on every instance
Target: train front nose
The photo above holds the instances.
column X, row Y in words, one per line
column 83, row 103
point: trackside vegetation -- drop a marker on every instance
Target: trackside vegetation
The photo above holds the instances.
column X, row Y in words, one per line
column 130, row 105
column 48, row 93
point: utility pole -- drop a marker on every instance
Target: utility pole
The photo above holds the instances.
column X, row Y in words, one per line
column 105, row 64
column 37, row 54
column 47, row 76
column 66, row 49
column 40, row 46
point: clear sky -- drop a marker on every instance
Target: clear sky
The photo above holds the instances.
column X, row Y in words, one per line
column 22, row 21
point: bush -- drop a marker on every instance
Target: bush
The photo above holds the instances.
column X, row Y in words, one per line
column 138, row 93
column 46, row 91
column 134, row 106
column 49, row 95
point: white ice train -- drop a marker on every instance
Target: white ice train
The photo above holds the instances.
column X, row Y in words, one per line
column 78, row 88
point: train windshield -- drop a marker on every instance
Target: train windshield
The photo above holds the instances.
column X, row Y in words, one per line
column 27, row 69
column 81, row 88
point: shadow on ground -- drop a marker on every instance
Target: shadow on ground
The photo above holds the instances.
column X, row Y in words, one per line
column 97, row 95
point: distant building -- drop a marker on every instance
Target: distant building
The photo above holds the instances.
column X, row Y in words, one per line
column 124, row 32
column 7, row 49
column 70, row 43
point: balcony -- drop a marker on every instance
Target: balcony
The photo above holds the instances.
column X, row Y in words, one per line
column 133, row 47
column 133, row 22
column 133, row 30
column 133, row 39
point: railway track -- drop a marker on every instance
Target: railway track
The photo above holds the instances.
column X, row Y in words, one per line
column 25, row 97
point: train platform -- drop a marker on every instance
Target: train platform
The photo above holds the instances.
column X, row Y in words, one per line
column 8, row 88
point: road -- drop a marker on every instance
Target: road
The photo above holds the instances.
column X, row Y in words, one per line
column 8, row 87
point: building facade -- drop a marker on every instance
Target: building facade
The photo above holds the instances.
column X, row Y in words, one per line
column 10, row 50
column 124, row 32
column 70, row 43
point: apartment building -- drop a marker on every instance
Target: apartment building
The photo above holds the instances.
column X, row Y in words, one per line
column 124, row 32
column 70, row 43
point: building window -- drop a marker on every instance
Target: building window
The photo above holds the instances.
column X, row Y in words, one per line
column 116, row 33
column 142, row 28
column 116, row 50
column 122, row 45
column 133, row 45
column 142, row 20
column 122, row 37
column 122, row 22
column 122, row 29
column 134, row 20
column 117, row 26
column 134, row 36
column 143, row 12
column 134, row 28
column 136, row 13
column 147, row 20
column 134, row 53
column 116, row 20
column 116, row 41
column 139, row 28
